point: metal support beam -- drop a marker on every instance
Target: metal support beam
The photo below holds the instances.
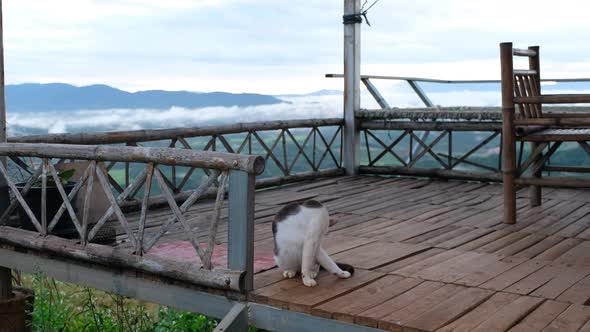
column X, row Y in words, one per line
column 375, row 93
column 428, row 103
column 421, row 94
column 236, row 320
column 5, row 274
column 241, row 226
column 120, row 282
column 275, row 319
column 177, row 295
column 352, row 82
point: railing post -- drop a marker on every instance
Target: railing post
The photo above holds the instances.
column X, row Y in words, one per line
column 536, row 191
column 352, row 87
column 5, row 274
column 240, row 254
column 508, row 138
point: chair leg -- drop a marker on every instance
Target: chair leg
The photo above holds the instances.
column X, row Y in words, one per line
column 535, row 192
column 509, row 199
column 509, row 170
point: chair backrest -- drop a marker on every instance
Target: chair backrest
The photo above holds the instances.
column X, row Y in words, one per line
column 521, row 82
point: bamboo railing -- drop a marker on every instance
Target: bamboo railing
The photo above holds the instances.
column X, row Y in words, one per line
column 227, row 172
column 294, row 150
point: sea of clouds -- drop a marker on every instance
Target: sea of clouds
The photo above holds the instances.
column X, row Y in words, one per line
column 295, row 107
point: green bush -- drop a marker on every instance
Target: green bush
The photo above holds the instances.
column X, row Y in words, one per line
column 64, row 307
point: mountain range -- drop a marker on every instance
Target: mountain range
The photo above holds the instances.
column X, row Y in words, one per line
column 35, row 97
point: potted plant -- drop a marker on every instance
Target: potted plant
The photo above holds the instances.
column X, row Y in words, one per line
column 33, row 198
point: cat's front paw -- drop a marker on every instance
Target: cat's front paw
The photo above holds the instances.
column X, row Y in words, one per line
column 289, row 274
column 309, row 282
column 343, row 275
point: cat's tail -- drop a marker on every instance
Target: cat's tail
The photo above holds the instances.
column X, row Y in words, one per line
column 346, row 267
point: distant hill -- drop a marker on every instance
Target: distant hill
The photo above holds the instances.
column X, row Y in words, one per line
column 34, row 97
column 319, row 93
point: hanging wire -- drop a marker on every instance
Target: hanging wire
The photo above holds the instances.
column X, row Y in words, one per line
column 358, row 18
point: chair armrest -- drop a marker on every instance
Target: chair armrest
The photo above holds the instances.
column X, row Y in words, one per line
column 527, row 130
column 567, row 115
column 555, row 122
column 553, row 99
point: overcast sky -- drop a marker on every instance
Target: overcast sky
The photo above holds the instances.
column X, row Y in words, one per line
column 279, row 46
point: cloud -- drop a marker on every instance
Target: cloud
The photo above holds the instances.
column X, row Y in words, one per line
column 276, row 46
column 398, row 94
column 135, row 119
column 297, row 108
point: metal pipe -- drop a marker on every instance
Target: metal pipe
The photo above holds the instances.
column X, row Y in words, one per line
column 435, row 80
column 5, row 273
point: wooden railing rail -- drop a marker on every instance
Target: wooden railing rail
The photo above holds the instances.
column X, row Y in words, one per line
column 466, row 143
column 227, row 171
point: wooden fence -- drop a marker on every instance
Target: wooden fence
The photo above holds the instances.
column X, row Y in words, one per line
column 293, row 150
column 462, row 143
column 234, row 173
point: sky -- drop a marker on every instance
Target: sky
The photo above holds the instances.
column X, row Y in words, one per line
column 279, row 46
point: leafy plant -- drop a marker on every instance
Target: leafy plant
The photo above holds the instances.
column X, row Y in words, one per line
column 69, row 308
column 64, row 177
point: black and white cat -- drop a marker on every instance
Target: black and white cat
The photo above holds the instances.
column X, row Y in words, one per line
column 298, row 229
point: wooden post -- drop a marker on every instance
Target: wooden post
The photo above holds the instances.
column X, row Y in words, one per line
column 508, row 136
column 536, row 191
column 352, row 88
column 240, row 253
column 5, row 274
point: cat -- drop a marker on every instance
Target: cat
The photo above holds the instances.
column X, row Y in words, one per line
column 298, row 229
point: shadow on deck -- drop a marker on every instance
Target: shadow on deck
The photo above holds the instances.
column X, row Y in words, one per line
column 429, row 255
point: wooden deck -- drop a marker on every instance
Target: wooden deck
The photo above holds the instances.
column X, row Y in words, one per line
column 433, row 256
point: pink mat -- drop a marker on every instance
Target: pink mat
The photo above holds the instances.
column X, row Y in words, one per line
column 183, row 251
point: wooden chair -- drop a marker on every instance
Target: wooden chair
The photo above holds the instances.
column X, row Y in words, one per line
column 521, row 89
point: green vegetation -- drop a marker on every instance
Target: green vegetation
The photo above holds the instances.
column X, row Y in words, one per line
column 65, row 307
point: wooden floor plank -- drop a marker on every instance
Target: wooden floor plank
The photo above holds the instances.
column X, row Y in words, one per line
column 421, row 305
column 346, row 307
column 540, row 317
column 490, row 271
column 482, row 312
column 451, row 309
column 302, row 298
column 518, row 246
column 509, row 315
column 558, row 249
column 567, row 277
column 374, row 315
column 391, row 268
column 428, row 254
column 577, row 255
column 540, row 247
column 377, row 254
column 578, row 293
column 535, row 280
column 514, row 275
column 456, row 267
column 572, row 319
column 414, row 268
column 464, row 238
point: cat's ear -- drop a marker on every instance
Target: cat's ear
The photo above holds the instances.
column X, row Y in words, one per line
column 333, row 222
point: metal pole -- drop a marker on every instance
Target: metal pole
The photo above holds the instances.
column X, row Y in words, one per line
column 422, row 95
column 240, row 244
column 5, row 274
column 352, row 87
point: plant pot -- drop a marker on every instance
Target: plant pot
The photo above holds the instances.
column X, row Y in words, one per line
column 15, row 312
column 64, row 226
